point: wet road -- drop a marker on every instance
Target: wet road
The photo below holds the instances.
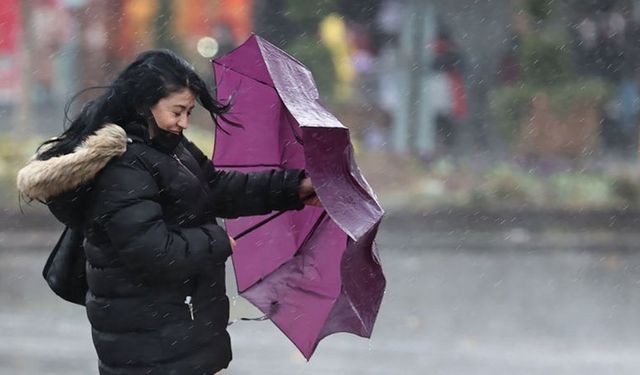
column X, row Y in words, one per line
column 458, row 302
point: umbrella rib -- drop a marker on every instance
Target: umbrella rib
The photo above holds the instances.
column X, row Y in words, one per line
column 243, row 74
column 313, row 229
column 248, row 165
column 293, row 131
column 297, row 138
column 255, row 226
column 263, row 222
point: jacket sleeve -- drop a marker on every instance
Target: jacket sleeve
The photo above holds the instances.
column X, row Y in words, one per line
column 244, row 194
column 130, row 212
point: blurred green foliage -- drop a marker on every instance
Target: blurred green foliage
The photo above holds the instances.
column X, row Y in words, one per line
column 539, row 10
column 627, row 190
column 546, row 66
column 510, row 105
column 507, row 186
column 164, row 35
column 545, row 59
column 13, row 156
column 545, row 62
column 575, row 190
column 310, row 51
column 306, row 15
column 510, row 186
column 301, row 20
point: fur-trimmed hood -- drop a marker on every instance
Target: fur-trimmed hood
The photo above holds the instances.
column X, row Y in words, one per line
column 43, row 179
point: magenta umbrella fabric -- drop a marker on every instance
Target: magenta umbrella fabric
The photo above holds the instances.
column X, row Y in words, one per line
column 316, row 271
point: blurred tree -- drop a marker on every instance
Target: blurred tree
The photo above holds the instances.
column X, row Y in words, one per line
column 293, row 25
column 315, row 56
column 545, row 61
column 306, row 15
column 550, row 112
column 361, row 11
column 592, row 6
column 539, row 10
column 272, row 23
column 165, row 37
column 364, row 13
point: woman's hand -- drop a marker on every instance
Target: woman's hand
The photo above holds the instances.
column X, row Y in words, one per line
column 233, row 243
column 307, row 193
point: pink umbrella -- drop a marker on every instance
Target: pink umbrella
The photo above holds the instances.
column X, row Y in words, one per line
column 316, row 271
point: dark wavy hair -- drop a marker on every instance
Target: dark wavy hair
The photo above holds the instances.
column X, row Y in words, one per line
column 152, row 76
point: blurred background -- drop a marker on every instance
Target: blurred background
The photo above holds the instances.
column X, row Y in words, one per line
column 505, row 102
column 501, row 136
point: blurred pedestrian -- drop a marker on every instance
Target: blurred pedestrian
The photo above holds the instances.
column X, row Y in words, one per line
column 448, row 94
column 146, row 200
column 608, row 39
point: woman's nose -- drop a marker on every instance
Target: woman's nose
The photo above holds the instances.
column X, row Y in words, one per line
column 183, row 122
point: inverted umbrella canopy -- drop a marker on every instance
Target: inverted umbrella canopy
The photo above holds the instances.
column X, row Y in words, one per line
column 316, row 271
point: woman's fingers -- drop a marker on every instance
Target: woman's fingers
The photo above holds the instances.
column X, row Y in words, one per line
column 306, row 188
column 307, row 193
column 313, row 201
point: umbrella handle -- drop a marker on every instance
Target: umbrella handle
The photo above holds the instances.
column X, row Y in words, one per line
column 263, row 222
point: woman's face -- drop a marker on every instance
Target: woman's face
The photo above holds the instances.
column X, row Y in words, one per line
column 172, row 112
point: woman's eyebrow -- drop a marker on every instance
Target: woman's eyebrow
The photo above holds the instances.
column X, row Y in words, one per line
column 181, row 106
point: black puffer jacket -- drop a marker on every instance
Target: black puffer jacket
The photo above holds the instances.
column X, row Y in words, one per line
column 156, row 275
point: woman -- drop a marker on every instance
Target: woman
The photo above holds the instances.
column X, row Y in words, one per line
column 146, row 200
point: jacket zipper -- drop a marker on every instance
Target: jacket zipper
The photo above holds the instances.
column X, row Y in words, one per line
column 188, row 300
column 191, row 173
column 184, row 166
